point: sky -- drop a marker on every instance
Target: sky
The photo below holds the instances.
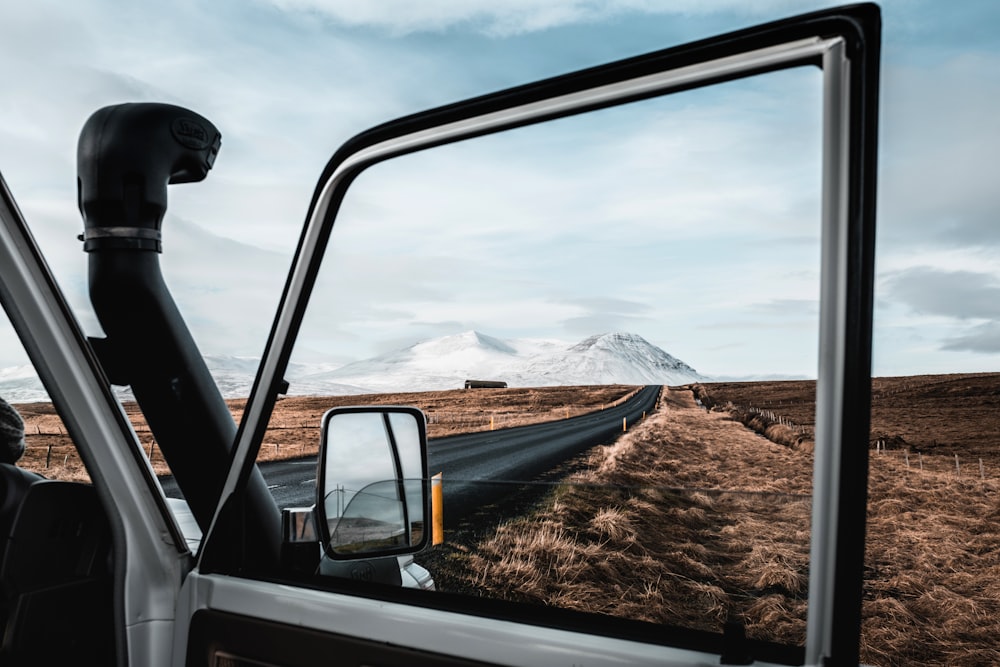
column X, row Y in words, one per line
column 717, row 189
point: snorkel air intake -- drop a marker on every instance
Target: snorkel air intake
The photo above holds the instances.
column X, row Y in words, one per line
column 126, row 157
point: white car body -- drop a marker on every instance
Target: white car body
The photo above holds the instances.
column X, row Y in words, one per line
column 413, row 575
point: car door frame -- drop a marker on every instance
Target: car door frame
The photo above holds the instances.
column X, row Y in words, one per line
column 845, row 43
column 150, row 555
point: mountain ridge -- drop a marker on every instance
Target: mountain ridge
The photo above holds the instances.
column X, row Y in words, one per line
column 444, row 362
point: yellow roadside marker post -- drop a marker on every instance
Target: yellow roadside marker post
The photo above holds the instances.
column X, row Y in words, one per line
column 437, row 510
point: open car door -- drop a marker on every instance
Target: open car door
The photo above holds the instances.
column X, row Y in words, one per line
column 242, row 614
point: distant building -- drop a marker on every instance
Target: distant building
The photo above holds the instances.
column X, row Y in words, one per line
column 485, row 384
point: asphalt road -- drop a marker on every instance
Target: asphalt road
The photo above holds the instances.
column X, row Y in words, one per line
column 467, row 462
column 477, row 468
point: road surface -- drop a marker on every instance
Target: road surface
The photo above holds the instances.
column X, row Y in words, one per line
column 522, row 453
column 469, row 463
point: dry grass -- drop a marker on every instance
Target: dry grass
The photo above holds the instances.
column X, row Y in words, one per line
column 49, row 451
column 695, row 559
column 295, row 427
column 932, row 592
column 622, row 538
column 933, row 556
column 925, row 414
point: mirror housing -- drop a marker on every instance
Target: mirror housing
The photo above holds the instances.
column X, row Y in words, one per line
column 372, row 491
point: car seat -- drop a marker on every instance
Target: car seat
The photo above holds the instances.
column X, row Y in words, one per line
column 55, row 577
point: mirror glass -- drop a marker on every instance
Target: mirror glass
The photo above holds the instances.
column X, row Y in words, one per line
column 651, row 271
column 371, row 485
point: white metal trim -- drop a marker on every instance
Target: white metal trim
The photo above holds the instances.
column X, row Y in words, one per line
column 660, row 83
column 464, row 636
column 832, row 351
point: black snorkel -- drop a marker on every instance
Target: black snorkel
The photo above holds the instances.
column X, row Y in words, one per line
column 127, row 155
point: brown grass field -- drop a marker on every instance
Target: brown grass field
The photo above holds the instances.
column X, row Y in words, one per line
column 694, row 516
column 642, row 530
column 932, row 593
column 698, row 557
column 295, row 426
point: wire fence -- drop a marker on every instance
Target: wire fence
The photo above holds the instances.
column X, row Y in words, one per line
column 917, row 467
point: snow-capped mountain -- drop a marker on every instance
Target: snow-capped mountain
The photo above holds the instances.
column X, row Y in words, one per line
column 440, row 363
column 613, row 358
column 446, row 362
column 436, row 363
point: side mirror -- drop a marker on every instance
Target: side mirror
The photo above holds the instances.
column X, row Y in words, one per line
column 372, row 493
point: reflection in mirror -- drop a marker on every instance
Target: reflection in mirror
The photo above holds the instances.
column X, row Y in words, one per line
column 367, row 504
column 674, row 241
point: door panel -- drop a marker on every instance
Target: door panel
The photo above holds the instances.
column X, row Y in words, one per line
column 363, row 622
column 220, row 639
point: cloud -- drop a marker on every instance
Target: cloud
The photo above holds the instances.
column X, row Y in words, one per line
column 284, row 100
column 228, row 291
column 960, row 309
column 983, row 338
column 957, row 294
column 510, row 17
